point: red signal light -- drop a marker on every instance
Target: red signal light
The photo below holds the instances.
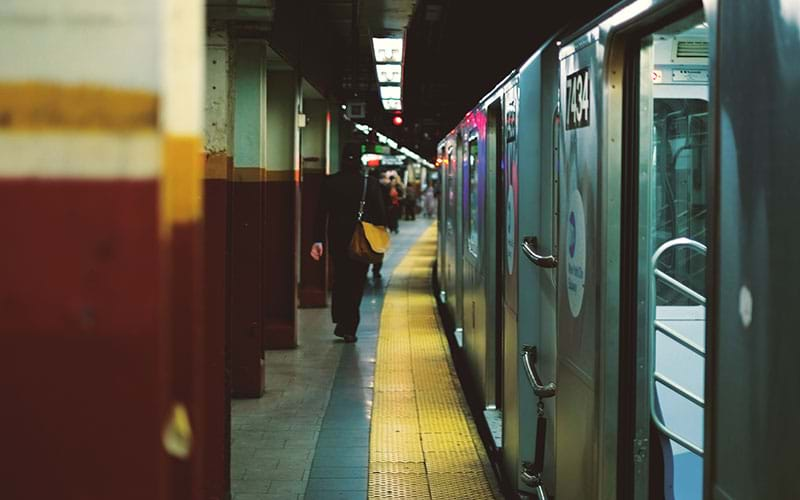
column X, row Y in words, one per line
column 397, row 120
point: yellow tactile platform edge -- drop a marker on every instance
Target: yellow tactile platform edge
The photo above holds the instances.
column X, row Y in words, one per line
column 423, row 444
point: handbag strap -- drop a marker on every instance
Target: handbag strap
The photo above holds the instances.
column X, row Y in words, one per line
column 363, row 197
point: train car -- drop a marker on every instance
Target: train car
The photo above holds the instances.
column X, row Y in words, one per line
column 590, row 259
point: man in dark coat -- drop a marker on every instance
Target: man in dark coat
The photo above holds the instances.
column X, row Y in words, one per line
column 338, row 209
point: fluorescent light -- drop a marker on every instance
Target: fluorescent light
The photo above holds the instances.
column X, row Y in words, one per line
column 389, row 73
column 388, row 50
column 388, row 92
column 392, row 104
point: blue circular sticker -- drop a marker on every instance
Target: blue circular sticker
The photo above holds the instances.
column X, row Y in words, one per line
column 576, row 253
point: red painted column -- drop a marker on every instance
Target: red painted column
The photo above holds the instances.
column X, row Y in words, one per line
column 281, row 210
column 280, row 268
column 216, row 469
column 84, row 365
column 246, row 312
column 182, row 204
column 218, row 135
column 313, row 274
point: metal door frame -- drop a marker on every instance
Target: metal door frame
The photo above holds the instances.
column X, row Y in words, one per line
column 623, row 81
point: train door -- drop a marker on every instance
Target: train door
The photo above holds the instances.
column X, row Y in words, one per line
column 458, row 216
column 508, row 205
column 451, row 204
column 441, row 250
column 493, row 268
column 585, row 278
column 752, row 426
column 539, row 128
column 666, row 238
column 475, row 333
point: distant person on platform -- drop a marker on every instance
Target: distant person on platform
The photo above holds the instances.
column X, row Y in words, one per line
column 337, row 213
column 429, row 201
column 396, row 193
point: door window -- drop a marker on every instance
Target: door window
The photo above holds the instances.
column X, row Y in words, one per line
column 472, row 165
column 673, row 216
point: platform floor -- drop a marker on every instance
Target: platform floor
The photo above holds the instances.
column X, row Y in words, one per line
column 333, row 426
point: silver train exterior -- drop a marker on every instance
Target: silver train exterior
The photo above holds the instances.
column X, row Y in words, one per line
column 617, row 236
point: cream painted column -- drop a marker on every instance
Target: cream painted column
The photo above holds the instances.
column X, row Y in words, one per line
column 100, row 199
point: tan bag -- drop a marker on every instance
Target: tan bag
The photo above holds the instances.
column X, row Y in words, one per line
column 369, row 242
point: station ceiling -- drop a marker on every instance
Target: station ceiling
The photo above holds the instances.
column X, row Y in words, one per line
column 456, row 50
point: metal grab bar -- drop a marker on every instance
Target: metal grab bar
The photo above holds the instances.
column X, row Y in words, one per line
column 677, row 337
column 676, row 387
column 532, row 480
column 529, row 361
column 529, row 244
column 680, row 287
column 658, row 326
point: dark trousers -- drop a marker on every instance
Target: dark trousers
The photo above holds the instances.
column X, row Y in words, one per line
column 349, row 278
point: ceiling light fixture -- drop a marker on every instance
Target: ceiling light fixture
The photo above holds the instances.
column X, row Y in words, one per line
column 388, row 50
column 389, row 73
column 389, row 70
column 389, row 92
column 392, row 104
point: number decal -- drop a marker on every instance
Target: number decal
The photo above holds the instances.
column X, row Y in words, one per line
column 578, row 99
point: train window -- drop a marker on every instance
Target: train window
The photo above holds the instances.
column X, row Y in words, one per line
column 674, row 160
column 473, row 196
column 451, row 190
column 680, row 162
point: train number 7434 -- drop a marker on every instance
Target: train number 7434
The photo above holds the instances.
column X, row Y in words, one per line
column 578, row 99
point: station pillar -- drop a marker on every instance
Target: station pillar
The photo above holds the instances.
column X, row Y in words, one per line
column 101, row 343
column 315, row 144
column 218, row 172
column 280, row 210
column 246, row 245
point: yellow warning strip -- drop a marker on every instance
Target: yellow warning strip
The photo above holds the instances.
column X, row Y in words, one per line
column 423, row 444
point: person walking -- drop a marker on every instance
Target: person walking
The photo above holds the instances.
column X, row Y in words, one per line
column 336, row 216
column 410, row 202
column 429, row 200
column 394, row 204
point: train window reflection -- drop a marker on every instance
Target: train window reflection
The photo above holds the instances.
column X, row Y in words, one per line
column 473, row 196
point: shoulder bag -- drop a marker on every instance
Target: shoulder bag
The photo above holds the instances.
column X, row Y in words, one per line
column 369, row 242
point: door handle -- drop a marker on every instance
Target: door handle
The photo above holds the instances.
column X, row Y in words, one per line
column 529, row 244
column 532, row 480
column 529, row 360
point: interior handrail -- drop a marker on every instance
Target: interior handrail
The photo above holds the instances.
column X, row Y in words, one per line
column 656, row 377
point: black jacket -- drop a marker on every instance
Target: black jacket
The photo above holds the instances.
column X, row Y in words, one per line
column 338, row 207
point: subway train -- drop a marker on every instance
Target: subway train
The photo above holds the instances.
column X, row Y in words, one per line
column 617, row 233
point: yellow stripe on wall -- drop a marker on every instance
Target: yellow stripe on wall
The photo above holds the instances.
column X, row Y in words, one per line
column 182, row 182
column 48, row 106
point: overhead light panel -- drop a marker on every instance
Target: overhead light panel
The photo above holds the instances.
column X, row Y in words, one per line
column 389, row 92
column 388, row 50
column 389, row 73
column 392, row 104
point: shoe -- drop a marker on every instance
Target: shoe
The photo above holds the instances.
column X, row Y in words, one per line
column 350, row 338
